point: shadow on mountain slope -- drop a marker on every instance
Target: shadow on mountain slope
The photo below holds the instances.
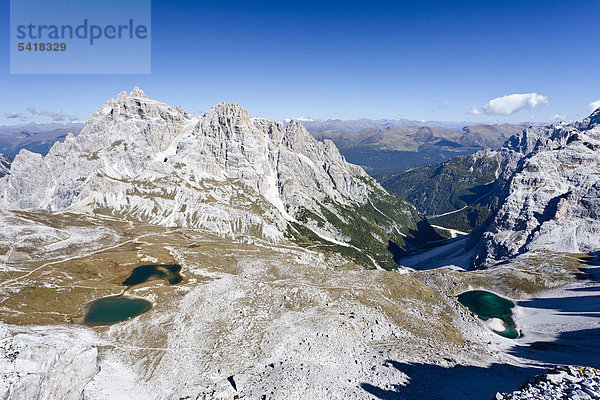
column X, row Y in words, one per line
column 437, row 254
column 575, row 348
column 592, row 271
column 421, row 237
column 573, row 304
column 458, row 382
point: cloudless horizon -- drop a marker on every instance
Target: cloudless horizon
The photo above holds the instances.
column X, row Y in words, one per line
column 421, row 60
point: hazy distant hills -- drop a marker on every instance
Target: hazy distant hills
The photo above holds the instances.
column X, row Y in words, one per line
column 356, row 125
column 37, row 138
column 385, row 146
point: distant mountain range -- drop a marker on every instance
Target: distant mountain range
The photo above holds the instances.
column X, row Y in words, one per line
column 37, row 138
column 387, row 146
column 356, row 125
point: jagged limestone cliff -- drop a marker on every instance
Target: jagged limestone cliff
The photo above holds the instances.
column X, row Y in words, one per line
column 548, row 193
column 224, row 171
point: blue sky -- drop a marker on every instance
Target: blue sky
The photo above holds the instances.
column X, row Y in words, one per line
column 431, row 60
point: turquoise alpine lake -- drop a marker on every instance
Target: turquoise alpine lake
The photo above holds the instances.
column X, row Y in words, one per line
column 488, row 305
column 147, row 273
column 112, row 309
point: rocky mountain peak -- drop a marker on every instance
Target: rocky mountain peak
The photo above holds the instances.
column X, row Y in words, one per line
column 136, row 92
column 297, row 138
column 227, row 116
column 228, row 113
column 136, row 106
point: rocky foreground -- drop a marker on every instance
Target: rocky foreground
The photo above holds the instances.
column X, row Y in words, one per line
column 570, row 382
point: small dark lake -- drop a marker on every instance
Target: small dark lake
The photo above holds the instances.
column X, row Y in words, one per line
column 488, row 305
column 147, row 273
column 112, row 309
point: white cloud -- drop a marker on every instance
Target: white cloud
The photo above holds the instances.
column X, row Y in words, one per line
column 558, row 117
column 14, row 114
column 301, row 119
column 475, row 111
column 56, row 115
column 510, row 104
column 594, row 105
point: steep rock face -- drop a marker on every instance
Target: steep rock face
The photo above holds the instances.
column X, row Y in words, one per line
column 4, row 165
column 548, row 193
column 224, row 171
column 118, row 142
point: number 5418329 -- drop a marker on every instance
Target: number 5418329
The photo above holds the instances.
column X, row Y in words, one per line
column 29, row 46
